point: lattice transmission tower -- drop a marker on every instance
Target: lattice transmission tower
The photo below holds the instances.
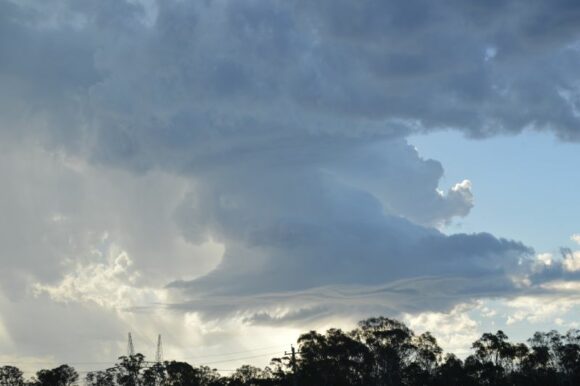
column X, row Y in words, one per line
column 130, row 348
column 159, row 352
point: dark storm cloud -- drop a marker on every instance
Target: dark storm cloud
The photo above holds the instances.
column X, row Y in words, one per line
column 290, row 118
column 483, row 68
column 349, row 68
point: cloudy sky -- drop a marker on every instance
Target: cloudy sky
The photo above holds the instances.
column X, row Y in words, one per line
column 232, row 173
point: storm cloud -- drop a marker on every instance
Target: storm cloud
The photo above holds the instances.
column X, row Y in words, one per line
column 271, row 136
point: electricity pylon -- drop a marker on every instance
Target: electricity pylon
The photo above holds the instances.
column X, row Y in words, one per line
column 159, row 353
column 130, row 348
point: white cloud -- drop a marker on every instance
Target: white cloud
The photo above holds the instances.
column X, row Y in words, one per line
column 545, row 258
column 455, row 330
column 108, row 281
column 535, row 309
column 572, row 261
column 562, row 286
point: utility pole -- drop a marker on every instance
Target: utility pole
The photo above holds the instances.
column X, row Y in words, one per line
column 293, row 364
column 294, row 379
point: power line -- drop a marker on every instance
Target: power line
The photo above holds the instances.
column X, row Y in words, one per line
column 235, row 352
column 239, row 359
column 191, row 359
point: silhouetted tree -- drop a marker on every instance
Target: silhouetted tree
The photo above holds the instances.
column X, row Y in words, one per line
column 63, row 375
column 251, row 376
column 180, row 374
column 128, row 370
column 11, row 376
column 101, row 378
column 425, row 358
column 390, row 343
column 154, row 375
column 333, row 359
column 452, row 372
column 379, row 352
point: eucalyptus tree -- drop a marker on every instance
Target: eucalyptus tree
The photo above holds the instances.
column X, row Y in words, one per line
column 63, row 375
column 11, row 376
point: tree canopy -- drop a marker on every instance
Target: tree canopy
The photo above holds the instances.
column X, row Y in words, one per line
column 379, row 352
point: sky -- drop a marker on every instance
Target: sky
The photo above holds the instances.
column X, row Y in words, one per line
column 230, row 174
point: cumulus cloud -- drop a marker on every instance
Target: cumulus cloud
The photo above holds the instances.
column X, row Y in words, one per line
column 110, row 283
column 549, row 291
column 405, row 183
column 572, row 261
column 563, row 269
column 534, row 309
column 455, row 330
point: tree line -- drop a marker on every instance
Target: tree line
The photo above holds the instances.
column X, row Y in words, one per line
column 379, row 352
